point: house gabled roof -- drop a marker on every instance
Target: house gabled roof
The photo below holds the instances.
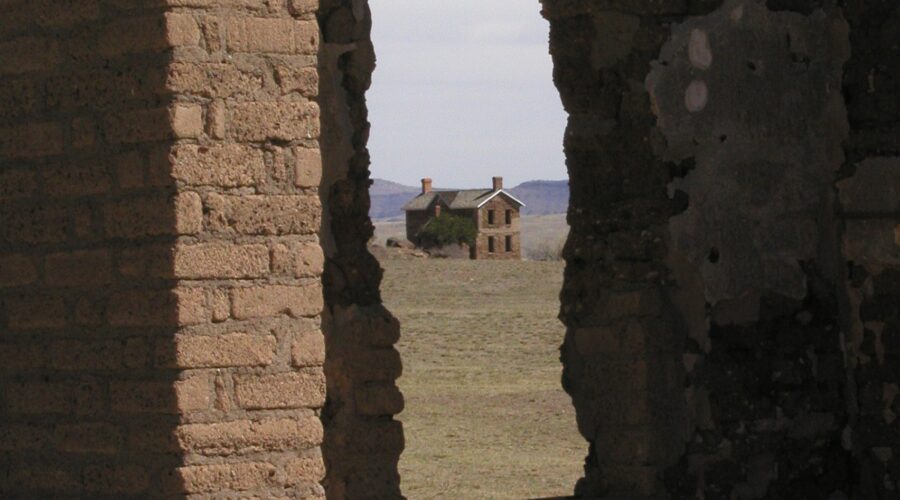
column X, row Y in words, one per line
column 457, row 200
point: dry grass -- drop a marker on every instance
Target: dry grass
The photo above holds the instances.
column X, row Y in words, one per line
column 485, row 414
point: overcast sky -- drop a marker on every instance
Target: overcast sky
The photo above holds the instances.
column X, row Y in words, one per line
column 463, row 91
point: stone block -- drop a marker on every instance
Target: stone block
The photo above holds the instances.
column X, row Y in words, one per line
column 272, row 35
column 217, row 351
column 36, row 312
column 171, row 397
column 218, row 477
column 230, row 165
column 88, row 438
column 308, row 349
column 246, row 436
column 273, row 120
column 33, row 140
column 79, row 268
column 303, row 389
column 221, row 260
column 275, row 300
column 16, row 270
column 264, row 215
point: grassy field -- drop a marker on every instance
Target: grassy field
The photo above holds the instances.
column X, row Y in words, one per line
column 540, row 233
column 485, row 414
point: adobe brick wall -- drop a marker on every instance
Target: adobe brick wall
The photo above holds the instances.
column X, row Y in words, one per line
column 160, row 329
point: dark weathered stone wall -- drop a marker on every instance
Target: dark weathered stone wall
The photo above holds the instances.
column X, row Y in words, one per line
column 869, row 195
column 705, row 285
column 362, row 440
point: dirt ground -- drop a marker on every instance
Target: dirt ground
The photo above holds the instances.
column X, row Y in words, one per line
column 485, row 414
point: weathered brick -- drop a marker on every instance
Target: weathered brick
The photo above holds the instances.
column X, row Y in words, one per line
column 231, row 165
column 31, row 478
column 24, row 437
column 16, row 270
column 309, row 349
column 178, row 396
column 29, row 54
column 272, row 35
column 87, row 355
column 305, row 389
column 154, row 215
column 300, row 260
column 375, row 365
column 160, row 124
column 36, row 312
column 23, row 357
column 16, row 184
column 625, row 338
column 219, row 304
column 281, row 120
column 183, row 306
column 150, row 261
column 216, row 114
column 88, row 438
column 215, row 478
column 264, row 301
column 148, row 34
column 187, row 121
column 311, row 466
column 54, row 397
column 269, row 215
column 36, row 223
column 84, row 133
column 221, row 260
column 308, row 169
column 79, row 268
column 64, row 13
column 31, row 141
column 246, row 4
column 303, row 80
column 236, row 349
column 300, row 7
column 116, row 479
column 378, row 399
column 214, row 80
column 245, row 436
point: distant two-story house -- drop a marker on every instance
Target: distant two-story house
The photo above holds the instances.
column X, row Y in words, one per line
column 495, row 213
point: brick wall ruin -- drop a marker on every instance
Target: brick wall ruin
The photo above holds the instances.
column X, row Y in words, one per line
column 188, row 308
column 733, row 195
column 159, row 256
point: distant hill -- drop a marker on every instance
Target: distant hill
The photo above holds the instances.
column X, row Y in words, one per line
column 540, row 197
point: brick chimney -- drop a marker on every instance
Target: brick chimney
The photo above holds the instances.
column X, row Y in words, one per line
column 498, row 183
column 426, row 185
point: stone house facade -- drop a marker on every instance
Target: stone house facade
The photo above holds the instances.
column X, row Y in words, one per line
column 495, row 212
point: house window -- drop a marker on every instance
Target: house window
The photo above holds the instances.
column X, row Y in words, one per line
column 490, row 217
column 509, row 242
column 491, row 244
column 508, row 217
